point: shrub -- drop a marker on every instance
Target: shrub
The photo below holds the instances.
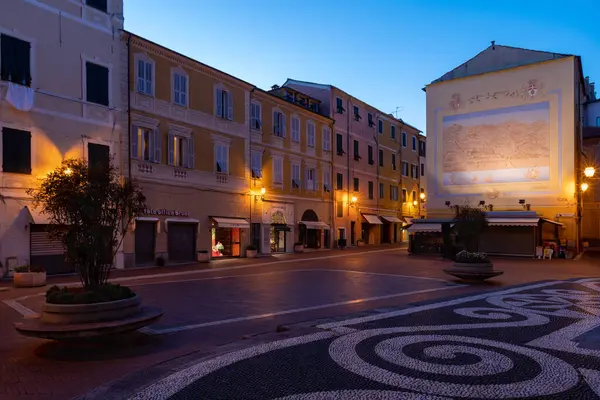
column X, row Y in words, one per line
column 251, row 247
column 469, row 223
column 469, row 257
column 77, row 295
column 30, row 268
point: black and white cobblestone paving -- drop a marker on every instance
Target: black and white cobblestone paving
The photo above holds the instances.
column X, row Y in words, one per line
column 534, row 342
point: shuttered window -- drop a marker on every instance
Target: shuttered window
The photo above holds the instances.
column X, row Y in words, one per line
column 15, row 60
column 101, row 5
column 16, row 151
column 96, row 81
column 98, row 156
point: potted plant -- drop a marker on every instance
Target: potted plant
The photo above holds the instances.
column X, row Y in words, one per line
column 203, row 256
column 469, row 224
column 29, row 276
column 90, row 208
column 360, row 242
column 472, row 260
column 251, row 251
column 299, row 247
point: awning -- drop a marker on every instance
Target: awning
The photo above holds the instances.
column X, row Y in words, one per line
column 513, row 221
column 151, row 219
column 315, row 225
column 36, row 216
column 391, row 219
column 552, row 222
column 183, row 220
column 372, row 219
column 422, row 228
column 231, row 222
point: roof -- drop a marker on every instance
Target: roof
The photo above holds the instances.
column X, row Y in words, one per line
column 324, row 86
column 497, row 58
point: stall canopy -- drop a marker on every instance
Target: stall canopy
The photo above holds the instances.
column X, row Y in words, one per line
column 552, row 222
column 532, row 221
column 372, row 219
column 231, row 222
column 315, row 225
column 392, row 219
column 424, row 228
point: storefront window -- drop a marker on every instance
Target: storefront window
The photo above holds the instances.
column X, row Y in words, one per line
column 226, row 242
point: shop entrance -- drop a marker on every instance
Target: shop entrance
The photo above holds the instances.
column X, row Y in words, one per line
column 181, row 238
column 310, row 237
column 226, row 242
column 278, row 240
column 145, row 239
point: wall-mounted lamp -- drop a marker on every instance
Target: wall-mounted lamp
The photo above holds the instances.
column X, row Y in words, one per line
column 522, row 201
column 589, row 172
column 422, row 196
column 584, row 187
column 415, row 202
column 447, row 203
column 482, row 202
column 263, row 191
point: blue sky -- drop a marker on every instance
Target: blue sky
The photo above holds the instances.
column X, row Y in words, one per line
column 382, row 52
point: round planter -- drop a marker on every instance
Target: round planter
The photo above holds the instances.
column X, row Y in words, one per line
column 251, row 253
column 299, row 249
column 85, row 313
column 203, row 257
column 29, row 279
column 360, row 243
column 473, row 267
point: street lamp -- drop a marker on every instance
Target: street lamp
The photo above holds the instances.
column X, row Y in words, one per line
column 415, row 203
column 422, row 195
column 584, row 187
column 589, row 172
column 263, row 191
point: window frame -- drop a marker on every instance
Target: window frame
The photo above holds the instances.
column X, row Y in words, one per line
column 4, row 148
column 381, row 190
column 380, row 126
column 356, row 184
column 414, row 143
column 225, row 168
column 310, row 124
column 296, row 177
column 84, row 60
column 339, row 181
column 32, row 52
column 296, row 134
column 225, row 108
column 393, row 131
column 277, row 172
column 255, row 104
column 339, row 105
column 339, row 149
column 394, row 165
column 326, row 132
column 404, row 139
column 327, row 178
column 85, row 2
column 370, row 155
column 256, row 171
column 422, row 169
column 380, row 156
column 181, row 73
column 311, row 171
column 371, row 190
column 142, row 57
column 279, row 123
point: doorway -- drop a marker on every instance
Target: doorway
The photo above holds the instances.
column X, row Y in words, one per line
column 145, row 239
column 181, row 242
column 352, row 232
column 278, row 238
column 395, row 233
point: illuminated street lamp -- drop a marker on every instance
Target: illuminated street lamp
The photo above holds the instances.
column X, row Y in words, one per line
column 263, row 191
column 422, row 195
column 415, row 203
column 589, row 172
column 584, row 187
column 353, row 199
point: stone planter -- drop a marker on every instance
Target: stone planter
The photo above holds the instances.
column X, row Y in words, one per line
column 473, row 267
column 251, row 253
column 86, row 313
column 203, row 257
column 29, row 279
column 360, row 243
column 299, row 248
column 473, row 272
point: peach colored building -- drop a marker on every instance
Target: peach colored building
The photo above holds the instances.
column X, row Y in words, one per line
column 59, row 97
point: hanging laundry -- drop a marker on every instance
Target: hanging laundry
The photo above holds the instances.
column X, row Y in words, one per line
column 21, row 97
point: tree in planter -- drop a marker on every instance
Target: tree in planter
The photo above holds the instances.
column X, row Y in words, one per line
column 89, row 209
column 469, row 223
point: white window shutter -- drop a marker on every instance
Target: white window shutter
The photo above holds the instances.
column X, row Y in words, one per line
column 183, row 89
column 176, row 90
column 190, row 152
column 275, row 123
column 148, row 78
column 283, row 133
column 229, row 106
column 134, row 137
column 141, row 81
column 157, row 145
column 171, row 149
column 219, row 102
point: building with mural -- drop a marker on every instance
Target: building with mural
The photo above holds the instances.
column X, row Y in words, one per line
column 59, row 98
column 292, row 199
column 368, row 171
column 504, row 133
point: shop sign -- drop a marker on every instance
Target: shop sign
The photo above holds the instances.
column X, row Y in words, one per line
column 165, row 212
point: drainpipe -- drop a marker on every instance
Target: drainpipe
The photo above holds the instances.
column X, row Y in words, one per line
column 129, row 105
column 250, row 162
column 331, row 192
column 348, row 155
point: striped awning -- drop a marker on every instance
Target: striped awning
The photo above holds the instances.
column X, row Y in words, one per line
column 533, row 221
column 391, row 219
column 372, row 219
column 424, row 228
column 315, row 225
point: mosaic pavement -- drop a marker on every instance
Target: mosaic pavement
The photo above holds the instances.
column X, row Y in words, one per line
column 539, row 341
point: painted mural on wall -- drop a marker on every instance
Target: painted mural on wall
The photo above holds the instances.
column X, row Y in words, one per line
column 503, row 145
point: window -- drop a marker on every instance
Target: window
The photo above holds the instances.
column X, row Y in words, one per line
column 180, row 89
column 404, row 168
column 256, row 164
column 393, row 161
column 381, row 157
column 404, row 195
column 295, row 129
column 340, row 209
column 278, row 124
column 224, row 104
column 339, row 144
column 100, row 5
column 296, row 182
column 311, row 179
column 340, row 181
column 370, row 190
column 144, row 77
column 16, row 151
column 381, row 190
column 414, row 171
column 310, row 134
column 256, row 122
column 96, row 83
column 598, row 121
column 414, row 143
column 421, row 148
column 393, row 132
column 379, row 126
column 222, row 158
column 370, row 154
column 326, row 138
column 403, row 139
column 393, row 193
column 356, row 152
column 422, row 169
column 146, row 144
column 414, row 196
column 356, row 185
column 98, row 156
column 277, row 170
column 339, row 105
column 15, row 56
column 327, row 179
column 370, row 119
column 181, row 152
column 357, row 116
